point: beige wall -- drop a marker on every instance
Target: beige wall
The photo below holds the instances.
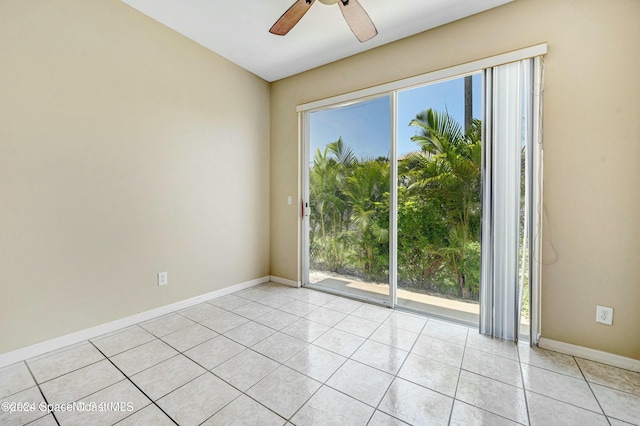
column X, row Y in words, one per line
column 125, row 150
column 592, row 149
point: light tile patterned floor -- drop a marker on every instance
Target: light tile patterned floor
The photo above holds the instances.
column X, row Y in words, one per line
column 275, row 355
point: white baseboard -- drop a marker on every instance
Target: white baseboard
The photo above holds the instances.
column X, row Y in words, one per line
column 590, row 354
column 285, row 281
column 89, row 333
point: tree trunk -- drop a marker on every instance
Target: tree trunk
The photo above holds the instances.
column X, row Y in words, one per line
column 462, row 285
column 468, row 102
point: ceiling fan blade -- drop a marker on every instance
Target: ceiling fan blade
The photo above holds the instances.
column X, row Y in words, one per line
column 358, row 20
column 291, row 17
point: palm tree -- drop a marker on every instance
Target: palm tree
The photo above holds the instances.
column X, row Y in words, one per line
column 328, row 207
column 447, row 169
column 349, row 224
column 368, row 192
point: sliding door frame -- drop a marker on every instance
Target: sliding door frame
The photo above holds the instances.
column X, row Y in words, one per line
column 393, row 202
column 391, row 89
column 304, row 130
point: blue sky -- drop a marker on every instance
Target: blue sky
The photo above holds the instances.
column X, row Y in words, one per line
column 365, row 126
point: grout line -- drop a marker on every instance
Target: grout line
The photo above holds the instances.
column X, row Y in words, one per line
column 311, row 396
column 545, row 368
column 322, row 384
column 565, row 402
column 455, row 393
column 524, row 390
column 565, row 376
column 591, row 389
column 487, row 377
column 218, row 377
column 114, row 333
column 307, row 345
column 137, row 387
column 238, row 397
column 68, row 372
column 223, row 407
column 395, row 376
column 250, row 348
column 41, row 393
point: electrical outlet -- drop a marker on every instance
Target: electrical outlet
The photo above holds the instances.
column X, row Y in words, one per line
column 604, row 315
column 289, row 200
column 163, row 279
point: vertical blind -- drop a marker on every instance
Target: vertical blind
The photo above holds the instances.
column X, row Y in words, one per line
column 507, row 196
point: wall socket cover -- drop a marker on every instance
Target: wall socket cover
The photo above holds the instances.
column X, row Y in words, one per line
column 604, row 315
column 163, row 279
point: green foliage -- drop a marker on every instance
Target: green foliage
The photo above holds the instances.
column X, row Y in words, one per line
column 349, row 229
column 420, row 225
column 439, row 210
column 445, row 176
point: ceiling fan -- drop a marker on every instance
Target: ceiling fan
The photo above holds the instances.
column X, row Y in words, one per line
column 355, row 15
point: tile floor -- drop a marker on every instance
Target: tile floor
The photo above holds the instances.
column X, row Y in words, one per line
column 275, row 355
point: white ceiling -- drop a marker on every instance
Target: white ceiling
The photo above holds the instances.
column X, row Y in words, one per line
column 239, row 30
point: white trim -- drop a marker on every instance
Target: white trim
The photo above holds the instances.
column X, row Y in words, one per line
column 451, row 72
column 27, row 352
column 535, row 263
column 302, row 198
column 304, row 129
column 590, row 354
column 284, row 281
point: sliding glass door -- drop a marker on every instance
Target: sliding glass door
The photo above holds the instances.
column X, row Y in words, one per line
column 349, row 198
column 422, row 196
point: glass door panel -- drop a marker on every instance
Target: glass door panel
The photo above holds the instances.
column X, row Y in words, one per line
column 348, row 195
column 439, row 134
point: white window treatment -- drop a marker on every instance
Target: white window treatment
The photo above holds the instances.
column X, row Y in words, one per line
column 508, row 195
